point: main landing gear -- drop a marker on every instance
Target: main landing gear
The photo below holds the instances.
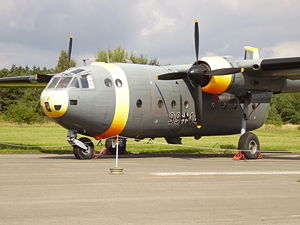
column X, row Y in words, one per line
column 248, row 146
column 249, row 141
column 111, row 145
column 83, row 148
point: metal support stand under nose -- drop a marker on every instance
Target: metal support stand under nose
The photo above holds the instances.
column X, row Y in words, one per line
column 117, row 170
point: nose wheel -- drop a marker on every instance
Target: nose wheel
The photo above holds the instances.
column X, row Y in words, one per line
column 83, row 148
column 87, row 153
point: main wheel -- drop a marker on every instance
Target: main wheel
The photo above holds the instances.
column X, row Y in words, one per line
column 82, row 153
column 110, row 144
column 249, row 141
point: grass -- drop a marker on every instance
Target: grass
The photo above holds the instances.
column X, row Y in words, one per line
column 51, row 138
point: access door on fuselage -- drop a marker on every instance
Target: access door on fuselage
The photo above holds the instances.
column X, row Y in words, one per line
column 172, row 108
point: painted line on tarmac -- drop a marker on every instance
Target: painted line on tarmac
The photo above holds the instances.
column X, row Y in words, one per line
column 226, row 173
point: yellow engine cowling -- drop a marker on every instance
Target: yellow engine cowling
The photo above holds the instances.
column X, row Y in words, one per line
column 217, row 84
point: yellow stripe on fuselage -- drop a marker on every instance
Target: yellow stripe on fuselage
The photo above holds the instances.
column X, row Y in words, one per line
column 122, row 102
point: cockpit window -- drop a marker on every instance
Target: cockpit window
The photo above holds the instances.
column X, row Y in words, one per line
column 87, row 81
column 64, row 82
column 53, row 82
column 74, row 83
column 77, row 71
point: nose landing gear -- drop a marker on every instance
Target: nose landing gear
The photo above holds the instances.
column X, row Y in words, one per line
column 83, row 148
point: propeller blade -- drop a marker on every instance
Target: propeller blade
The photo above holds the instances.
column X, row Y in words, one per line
column 70, row 50
column 171, row 76
column 196, row 37
column 224, row 71
column 198, row 105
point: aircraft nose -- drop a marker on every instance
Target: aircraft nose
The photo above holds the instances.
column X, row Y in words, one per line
column 55, row 103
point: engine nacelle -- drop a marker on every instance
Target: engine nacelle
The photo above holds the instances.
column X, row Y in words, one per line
column 217, row 84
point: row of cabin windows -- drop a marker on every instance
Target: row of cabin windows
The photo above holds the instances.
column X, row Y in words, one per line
column 160, row 104
column 108, row 82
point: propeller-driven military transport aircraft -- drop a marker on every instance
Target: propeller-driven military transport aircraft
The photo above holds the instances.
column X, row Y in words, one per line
column 212, row 96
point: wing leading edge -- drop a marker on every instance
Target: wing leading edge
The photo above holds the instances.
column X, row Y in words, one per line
column 288, row 68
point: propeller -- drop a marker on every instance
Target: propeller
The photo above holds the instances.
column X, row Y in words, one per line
column 70, row 50
column 196, row 39
column 199, row 76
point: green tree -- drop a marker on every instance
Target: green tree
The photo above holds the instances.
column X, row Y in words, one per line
column 119, row 54
column 62, row 63
column 21, row 104
column 285, row 108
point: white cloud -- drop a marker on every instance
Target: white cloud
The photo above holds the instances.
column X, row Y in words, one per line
column 285, row 49
column 162, row 29
column 158, row 23
column 18, row 54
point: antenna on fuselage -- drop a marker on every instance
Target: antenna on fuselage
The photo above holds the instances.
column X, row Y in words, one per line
column 85, row 60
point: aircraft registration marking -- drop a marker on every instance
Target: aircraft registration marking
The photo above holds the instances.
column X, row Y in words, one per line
column 181, row 118
column 122, row 101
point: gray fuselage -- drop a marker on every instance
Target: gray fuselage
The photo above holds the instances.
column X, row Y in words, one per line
column 150, row 108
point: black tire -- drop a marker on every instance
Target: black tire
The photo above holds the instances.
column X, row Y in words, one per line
column 84, row 154
column 113, row 150
column 249, row 141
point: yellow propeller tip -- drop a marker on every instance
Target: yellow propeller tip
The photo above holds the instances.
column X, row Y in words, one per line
column 71, row 36
column 156, row 78
column 242, row 70
column 199, row 126
column 196, row 21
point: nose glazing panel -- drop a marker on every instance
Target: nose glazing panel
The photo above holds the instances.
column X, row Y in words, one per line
column 54, row 103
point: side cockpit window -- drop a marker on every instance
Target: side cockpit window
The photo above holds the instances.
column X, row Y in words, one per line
column 74, row 83
column 87, row 81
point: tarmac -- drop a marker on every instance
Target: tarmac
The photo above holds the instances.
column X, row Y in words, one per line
column 174, row 189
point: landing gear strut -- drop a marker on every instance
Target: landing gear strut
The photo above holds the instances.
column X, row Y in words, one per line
column 83, row 148
column 248, row 143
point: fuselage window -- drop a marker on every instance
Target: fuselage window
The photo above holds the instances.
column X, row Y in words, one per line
column 53, row 82
column 160, row 104
column 186, row 104
column 118, row 83
column 74, row 83
column 173, row 104
column 87, row 81
column 139, row 103
column 108, row 82
column 64, row 82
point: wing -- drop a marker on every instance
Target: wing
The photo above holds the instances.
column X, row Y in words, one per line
column 38, row 80
column 288, row 68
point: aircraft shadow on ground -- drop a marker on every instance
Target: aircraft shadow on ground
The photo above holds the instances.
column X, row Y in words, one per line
column 186, row 156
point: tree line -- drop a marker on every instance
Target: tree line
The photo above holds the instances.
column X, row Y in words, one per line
column 21, row 105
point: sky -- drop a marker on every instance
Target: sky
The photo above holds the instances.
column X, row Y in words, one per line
column 33, row 32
